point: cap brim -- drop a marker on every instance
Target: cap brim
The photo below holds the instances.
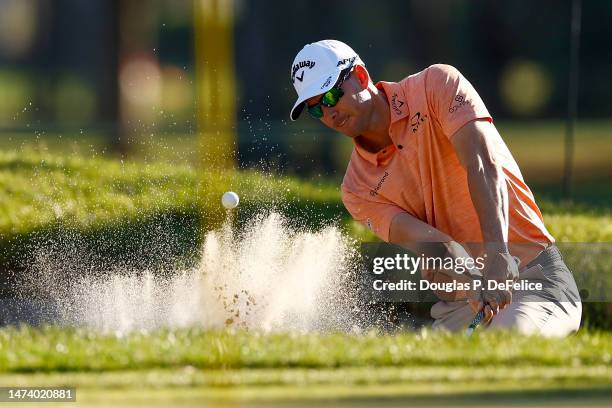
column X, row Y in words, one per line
column 297, row 110
column 309, row 93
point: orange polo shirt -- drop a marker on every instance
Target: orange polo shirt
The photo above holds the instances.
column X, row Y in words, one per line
column 420, row 173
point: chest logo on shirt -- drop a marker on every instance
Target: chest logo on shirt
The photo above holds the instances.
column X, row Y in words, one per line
column 458, row 102
column 396, row 104
column 416, row 120
column 374, row 192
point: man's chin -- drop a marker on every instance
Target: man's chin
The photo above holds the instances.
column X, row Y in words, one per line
column 350, row 134
column 349, row 131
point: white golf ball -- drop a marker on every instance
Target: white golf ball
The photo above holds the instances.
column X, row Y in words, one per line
column 230, row 200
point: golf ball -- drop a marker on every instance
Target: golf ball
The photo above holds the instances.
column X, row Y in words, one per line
column 230, row 200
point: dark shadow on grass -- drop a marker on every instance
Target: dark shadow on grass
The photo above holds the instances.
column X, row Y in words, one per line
column 548, row 397
column 592, row 196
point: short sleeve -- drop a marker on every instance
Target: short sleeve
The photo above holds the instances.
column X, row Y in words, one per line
column 376, row 215
column 453, row 99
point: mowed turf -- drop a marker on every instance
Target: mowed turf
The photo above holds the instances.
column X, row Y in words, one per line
column 88, row 192
column 49, row 349
column 367, row 387
column 195, row 366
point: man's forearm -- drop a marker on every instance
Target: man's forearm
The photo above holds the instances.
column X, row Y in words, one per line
column 423, row 239
column 490, row 197
column 486, row 181
column 489, row 193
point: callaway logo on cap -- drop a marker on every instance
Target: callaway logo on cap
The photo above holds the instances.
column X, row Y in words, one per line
column 316, row 69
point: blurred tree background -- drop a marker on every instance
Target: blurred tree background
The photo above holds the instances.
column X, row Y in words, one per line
column 117, row 77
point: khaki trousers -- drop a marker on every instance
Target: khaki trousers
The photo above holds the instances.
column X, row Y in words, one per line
column 554, row 311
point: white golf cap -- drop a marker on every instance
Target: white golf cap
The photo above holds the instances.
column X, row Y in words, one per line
column 316, row 69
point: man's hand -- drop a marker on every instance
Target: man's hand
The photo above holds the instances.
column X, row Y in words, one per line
column 500, row 268
column 478, row 305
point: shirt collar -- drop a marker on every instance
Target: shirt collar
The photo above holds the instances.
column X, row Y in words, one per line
column 398, row 106
column 378, row 158
column 398, row 110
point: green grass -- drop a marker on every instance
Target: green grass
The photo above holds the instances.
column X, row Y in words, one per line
column 447, row 386
column 194, row 366
column 85, row 193
column 537, row 391
column 114, row 205
column 50, row 349
column 352, row 376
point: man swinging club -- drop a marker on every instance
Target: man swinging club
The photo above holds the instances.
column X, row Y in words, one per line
column 428, row 165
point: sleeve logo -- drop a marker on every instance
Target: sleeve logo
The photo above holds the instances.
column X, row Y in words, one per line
column 458, row 102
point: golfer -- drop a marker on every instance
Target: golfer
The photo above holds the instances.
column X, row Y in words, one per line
column 428, row 165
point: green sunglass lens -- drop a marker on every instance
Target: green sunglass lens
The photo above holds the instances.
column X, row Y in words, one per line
column 331, row 97
column 316, row 111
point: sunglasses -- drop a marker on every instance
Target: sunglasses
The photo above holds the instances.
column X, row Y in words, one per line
column 331, row 97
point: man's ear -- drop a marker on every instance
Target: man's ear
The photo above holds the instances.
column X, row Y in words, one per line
column 362, row 75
